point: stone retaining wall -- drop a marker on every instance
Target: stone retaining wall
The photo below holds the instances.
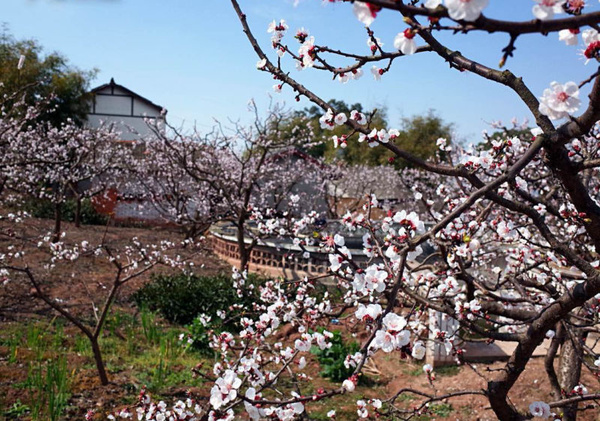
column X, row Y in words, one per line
column 270, row 261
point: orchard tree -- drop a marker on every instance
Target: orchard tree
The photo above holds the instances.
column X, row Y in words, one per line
column 50, row 163
column 309, row 122
column 53, row 163
column 38, row 260
column 534, row 205
column 350, row 186
column 170, row 176
column 241, row 174
column 46, row 152
column 515, row 226
column 419, row 135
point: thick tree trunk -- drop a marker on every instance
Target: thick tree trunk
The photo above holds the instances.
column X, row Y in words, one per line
column 551, row 354
column 99, row 361
column 569, row 369
column 78, row 212
column 242, row 245
column 57, row 221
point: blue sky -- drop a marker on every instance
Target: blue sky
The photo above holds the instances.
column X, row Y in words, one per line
column 191, row 57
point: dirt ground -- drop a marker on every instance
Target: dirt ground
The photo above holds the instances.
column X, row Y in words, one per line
column 87, row 281
column 85, row 284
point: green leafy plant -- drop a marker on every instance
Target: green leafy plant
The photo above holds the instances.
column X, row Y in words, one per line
column 441, row 410
column 16, row 411
column 180, row 298
column 332, row 359
column 201, row 335
column 13, row 349
column 149, row 326
column 35, row 338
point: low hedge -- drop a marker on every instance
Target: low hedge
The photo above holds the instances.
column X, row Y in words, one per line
column 180, row 298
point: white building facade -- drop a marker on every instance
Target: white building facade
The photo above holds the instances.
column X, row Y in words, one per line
column 116, row 105
column 131, row 115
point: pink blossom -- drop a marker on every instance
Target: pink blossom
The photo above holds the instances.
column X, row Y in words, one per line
column 432, row 4
column 568, row 36
column 405, row 42
column 368, row 313
column 589, row 36
column 225, row 389
column 560, row 101
column 418, row 351
column 365, row 12
column 349, row 385
column 373, row 45
column 540, row 409
column 394, row 322
column 467, row 10
column 358, row 117
column 545, row 9
column 307, row 52
column 376, row 72
column 261, row 64
column 340, row 119
column 303, row 344
column 384, row 340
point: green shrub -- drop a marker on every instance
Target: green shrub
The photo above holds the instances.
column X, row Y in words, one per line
column 45, row 209
column 332, row 359
column 201, row 334
column 180, row 298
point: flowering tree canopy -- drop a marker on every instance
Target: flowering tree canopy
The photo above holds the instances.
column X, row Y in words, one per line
column 514, row 222
column 241, row 174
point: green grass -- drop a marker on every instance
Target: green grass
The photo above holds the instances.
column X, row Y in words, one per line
column 446, row 370
column 146, row 349
column 413, row 371
column 16, row 411
column 344, row 405
column 48, row 388
column 443, row 410
column 406, row 397
column 146, row 352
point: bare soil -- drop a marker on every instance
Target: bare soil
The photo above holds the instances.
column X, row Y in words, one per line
column 85, row 282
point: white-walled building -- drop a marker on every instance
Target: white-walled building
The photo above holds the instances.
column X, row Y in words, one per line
column 128, row 113
column 126, row 110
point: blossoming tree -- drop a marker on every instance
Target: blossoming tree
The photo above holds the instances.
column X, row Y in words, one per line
column 499, row 200
column 43, row 162
column 242, row 174
column 514, row 222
